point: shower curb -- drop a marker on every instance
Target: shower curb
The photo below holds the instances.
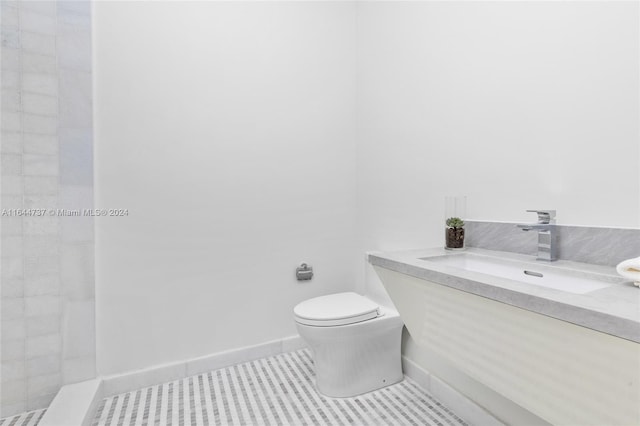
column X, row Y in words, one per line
column 76, row 404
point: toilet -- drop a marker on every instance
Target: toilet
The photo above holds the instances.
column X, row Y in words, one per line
column 355, row 343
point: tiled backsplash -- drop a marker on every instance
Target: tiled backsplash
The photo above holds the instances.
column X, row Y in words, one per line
column 600, row 246
column 48, row 325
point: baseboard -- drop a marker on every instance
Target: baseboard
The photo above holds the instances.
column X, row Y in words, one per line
column 464, row 408
column 74, row 404
column 416, row 373
column 132, row 380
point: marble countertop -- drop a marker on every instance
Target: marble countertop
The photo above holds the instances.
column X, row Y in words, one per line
column 614, row 310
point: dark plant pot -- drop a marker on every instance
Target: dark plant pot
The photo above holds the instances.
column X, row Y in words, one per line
column 454, row 238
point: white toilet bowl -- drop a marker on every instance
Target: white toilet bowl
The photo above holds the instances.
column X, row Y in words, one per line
column 355, row 343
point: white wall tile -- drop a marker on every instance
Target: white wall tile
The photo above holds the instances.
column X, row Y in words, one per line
column 10, row 67
column 12, row 185
column 77, row 271
column 13, row 391
column 38, row 64
column 40, row 144
column 76, row 157
column 40, row 165
column 11, row 409
column 9, row 17
column 41, row 306
column 43, row 365
column 74, row 51
column 12, row 266
column 12, row 349
column 44, row 7
column 40, row 225
column 11, row 245
column 11, row 225
column 40, row 124
column 75, row 99
column 74, row 42
column 12, row 287
column 11, row 102
column 12, row 371
column 36, row 22
column 40, row 185
column 78, row 329
column 79, row 7
column 10, row 80
column 46, row 84
column 41, row 245
column 9, row 3
column 38, row 43
column 42, row 285
column 78, row 369
column 11, row 122
column 14, row 329
column 43, row 346
column 76, row 229
column 39, row 104
column 44, row 385
column 12, row 309
column 43, row 325
column 11, row 164
column 11, row 202
column 40, row 202
column 10, row 38
column 71, row 21
column 76, row 196
column 11, row 143
column 35, row 402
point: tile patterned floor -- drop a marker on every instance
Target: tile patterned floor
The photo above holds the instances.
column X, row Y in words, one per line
column 30, row 418
column 271, row 391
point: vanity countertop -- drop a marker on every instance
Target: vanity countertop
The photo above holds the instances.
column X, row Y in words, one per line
column 614, row 310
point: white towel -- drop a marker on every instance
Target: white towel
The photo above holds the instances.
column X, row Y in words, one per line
column 630, row 269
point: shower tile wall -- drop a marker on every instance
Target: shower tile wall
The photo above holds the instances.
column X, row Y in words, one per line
column 47, row 292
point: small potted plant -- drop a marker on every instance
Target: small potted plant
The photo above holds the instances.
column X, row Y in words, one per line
column 454, row 234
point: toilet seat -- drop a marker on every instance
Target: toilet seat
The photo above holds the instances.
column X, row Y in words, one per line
column 336, row 309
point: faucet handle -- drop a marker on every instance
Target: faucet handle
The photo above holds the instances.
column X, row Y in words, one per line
column 545, row 217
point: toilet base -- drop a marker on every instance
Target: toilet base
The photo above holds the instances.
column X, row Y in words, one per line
column 356, row 358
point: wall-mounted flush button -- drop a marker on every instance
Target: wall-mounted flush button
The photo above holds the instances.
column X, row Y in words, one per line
column 304, row 272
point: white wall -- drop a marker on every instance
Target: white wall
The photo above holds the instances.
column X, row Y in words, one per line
column 516, row 104
column 228, row 131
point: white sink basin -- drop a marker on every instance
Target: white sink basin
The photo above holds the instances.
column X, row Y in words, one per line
column 543, row 276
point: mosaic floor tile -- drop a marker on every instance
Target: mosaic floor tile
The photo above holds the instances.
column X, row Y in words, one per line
column 30, row 418
column 272, row 391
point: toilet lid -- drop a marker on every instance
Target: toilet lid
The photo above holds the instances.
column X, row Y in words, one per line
column 335, row 309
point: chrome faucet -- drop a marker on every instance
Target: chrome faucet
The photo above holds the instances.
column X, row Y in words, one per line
column 547, row 234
